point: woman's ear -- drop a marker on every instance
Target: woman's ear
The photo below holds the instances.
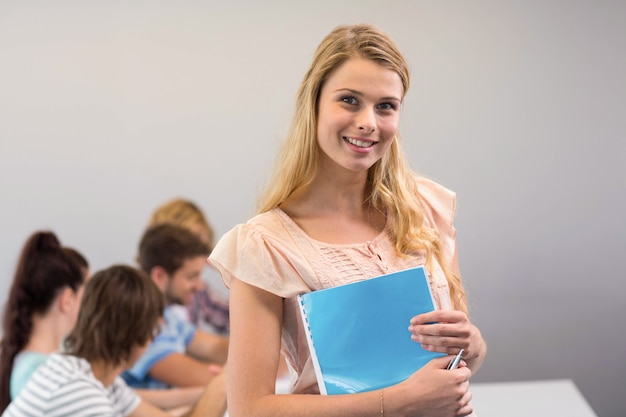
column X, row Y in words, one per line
column 67, row 300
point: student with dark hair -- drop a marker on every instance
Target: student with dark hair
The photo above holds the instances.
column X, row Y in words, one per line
column 207, row 309
column 181, row 354
column 120, row 314
column 41, row 309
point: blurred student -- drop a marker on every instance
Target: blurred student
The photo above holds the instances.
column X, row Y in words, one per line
column 119, row 316
column 41, row 309
column 181, row 355
column 207, row 309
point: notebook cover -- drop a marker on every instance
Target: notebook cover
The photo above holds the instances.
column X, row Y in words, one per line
column 358, row 333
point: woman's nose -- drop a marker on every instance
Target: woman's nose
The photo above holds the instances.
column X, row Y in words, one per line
column 367, row 121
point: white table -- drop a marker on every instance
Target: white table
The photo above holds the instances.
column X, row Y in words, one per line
column 549, row 398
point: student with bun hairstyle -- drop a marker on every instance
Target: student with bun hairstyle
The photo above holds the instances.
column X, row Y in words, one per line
column 41, row 308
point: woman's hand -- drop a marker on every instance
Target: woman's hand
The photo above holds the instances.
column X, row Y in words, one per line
column 449, row 331
column 433, row 391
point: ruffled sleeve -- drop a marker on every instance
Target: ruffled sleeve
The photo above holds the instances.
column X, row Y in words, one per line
column 262, row 253
column 439, row 204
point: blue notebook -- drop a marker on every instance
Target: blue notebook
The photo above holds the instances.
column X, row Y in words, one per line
column 358, row 333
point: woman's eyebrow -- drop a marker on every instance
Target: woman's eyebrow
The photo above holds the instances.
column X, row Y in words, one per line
column 358, row 93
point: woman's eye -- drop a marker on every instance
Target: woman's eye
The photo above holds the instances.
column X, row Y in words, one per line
column 386, row 106
column 348, row 100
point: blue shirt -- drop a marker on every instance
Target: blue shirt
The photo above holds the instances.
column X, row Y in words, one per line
column 24, row 365
column 175, row 336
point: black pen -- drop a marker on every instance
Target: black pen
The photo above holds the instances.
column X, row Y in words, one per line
column 454, row 363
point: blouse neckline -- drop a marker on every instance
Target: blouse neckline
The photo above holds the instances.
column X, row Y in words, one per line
column 301, row 231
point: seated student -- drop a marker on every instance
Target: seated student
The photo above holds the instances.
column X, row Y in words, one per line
column 207, row 310
column 181, row 354
column 41, row 309
column 119, row 315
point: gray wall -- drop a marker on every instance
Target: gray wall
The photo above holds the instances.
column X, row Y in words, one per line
column 109, row 108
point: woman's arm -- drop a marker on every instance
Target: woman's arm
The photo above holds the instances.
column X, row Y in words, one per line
column 256, row 316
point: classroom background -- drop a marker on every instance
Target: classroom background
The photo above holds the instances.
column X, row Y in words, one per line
column 108, row 109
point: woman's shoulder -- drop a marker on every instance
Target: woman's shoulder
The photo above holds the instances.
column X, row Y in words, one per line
column 269, row 221
column 434, row 191
column 438, row 201
column 25, row 364
column 270, row 226
column 29, row 358
column 264, row 252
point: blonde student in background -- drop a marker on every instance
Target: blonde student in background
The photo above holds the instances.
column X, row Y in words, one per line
column 344, row 206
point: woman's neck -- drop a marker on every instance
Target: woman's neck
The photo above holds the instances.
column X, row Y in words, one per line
column 335, row 211
column 46, row 335
column 335, row 193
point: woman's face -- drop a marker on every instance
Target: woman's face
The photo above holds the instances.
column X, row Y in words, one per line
column 358, row 115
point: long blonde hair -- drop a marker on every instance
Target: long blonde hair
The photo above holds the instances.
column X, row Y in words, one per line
column 391, row 183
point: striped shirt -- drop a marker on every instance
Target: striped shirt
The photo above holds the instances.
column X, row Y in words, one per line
column 64, row 386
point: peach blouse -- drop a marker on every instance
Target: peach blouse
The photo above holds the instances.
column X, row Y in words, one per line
column 271, row 252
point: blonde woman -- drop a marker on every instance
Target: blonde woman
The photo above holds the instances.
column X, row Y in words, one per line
column 344, row 206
